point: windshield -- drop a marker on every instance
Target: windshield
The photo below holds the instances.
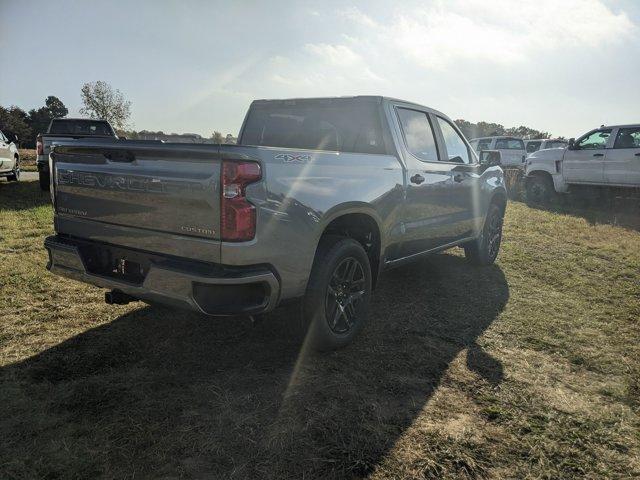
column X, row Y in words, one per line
column 81, row 127
column 343, row 126
column 509, row 144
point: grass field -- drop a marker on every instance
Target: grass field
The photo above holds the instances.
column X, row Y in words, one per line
column 527, row 369
column 28, row 159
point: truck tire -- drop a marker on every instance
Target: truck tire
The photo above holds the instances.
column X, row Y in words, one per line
column 14, row 176
column 43, row 177
column 484, row 250
column 336, row 304
column 540, row 190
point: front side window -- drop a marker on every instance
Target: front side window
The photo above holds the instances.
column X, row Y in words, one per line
column 595, row 140
column 418, row 134
column 457, row 150
column 533, row 146
column 628, row 138
column 509, row 144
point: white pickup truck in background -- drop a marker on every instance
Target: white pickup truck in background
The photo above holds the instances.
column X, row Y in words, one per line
column 534, row 145
column 608, row 156
column 511, row 149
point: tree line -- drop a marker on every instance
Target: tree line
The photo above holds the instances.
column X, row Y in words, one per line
column 487, row 129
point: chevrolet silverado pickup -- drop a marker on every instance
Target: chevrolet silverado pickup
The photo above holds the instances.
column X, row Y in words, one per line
column 318, row 197
column 607, row 157
column 62, row 130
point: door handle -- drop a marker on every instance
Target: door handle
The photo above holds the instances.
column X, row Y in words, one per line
column 417, row 178
column 458, row 177
column 598, row 154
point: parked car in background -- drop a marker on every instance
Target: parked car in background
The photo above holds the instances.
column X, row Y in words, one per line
column 9, row 156
column 62, row 130
column 511, row 149
column 608, row 156
column 316, row 199
column 531, row 146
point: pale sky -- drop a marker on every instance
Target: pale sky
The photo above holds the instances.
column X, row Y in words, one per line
column 561, row 66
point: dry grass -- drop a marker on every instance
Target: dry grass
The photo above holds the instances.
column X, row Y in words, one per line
column 528, row 369
column 28, row 159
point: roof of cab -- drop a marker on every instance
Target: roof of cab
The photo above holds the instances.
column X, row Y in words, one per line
column 363, row 98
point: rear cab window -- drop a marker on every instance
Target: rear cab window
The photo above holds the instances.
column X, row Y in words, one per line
column 484, row 144
column 340, row 125
column 81, row 127
column 509, row 144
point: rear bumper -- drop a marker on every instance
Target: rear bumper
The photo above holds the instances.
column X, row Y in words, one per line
column 218, row 291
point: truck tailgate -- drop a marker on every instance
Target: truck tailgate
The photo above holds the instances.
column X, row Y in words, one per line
column 159, row 194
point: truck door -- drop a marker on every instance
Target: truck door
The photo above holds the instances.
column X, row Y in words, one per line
column 465, row 179
column 584, row 163
column 428, row 217
column 622, row 162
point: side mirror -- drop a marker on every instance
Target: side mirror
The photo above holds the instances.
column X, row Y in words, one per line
column 12, row 137
column 489, row 158
column 572, row 144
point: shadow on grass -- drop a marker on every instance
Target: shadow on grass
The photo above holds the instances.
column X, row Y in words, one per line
column 161, row 393
column 599, row 207
column 16, row 196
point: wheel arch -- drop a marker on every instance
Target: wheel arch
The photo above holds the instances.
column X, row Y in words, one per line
column 361, row 223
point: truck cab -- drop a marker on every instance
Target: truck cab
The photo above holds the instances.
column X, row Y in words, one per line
column 608, row 156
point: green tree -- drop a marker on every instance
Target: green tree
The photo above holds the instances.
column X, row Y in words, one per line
column 39, row 119
column 101, row 101
column 217, row 137
column 16, row 120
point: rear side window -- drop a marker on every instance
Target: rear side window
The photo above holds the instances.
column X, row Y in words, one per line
column 337, row 126
column 418, row 134
column 533, row 146
column 80, row 127
column 556, row 144
column 457, row 150
column 628, row 138
column 509, row 144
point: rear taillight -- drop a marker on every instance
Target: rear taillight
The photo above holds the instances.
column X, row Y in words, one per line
column 238, row 215
column 39, row 146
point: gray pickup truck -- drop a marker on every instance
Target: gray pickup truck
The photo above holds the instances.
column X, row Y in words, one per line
column 318, row 197
column 63, row 130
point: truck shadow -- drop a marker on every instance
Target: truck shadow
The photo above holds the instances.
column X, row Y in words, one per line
column 599, row 208
column 16, row 196
column 173, row 393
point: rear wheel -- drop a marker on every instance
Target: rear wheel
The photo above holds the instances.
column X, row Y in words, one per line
column 14, row 176
column 484, row 250
column 43, row 177
column 338, row 295
column 540, row 190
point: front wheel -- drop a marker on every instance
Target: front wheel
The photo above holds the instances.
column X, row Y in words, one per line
column 484, row 250
column 540, row 190
column 337, row 300
column 14, row 176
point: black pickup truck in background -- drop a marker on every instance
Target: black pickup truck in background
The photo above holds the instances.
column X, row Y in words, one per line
column 64, row 129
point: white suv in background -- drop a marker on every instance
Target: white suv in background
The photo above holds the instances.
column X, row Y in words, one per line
column 531, row 146
column 511, row 149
